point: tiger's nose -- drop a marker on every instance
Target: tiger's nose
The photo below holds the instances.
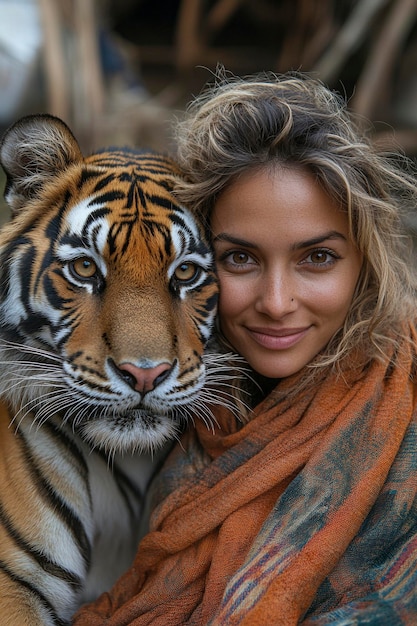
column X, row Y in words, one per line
column 144, row 379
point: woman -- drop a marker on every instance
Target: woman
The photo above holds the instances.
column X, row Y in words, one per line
column 304, row 509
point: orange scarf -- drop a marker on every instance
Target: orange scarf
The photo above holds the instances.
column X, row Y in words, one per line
column 307, row 514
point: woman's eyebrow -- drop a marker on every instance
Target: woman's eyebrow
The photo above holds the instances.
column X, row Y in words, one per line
column 314, row 241
column 234, row 240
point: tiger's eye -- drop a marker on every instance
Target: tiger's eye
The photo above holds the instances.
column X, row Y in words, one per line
column 84, row 267
column 185, row 272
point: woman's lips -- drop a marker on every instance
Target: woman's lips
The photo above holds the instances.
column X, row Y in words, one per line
column 273, row 339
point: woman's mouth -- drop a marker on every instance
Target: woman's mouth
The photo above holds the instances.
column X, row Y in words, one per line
column 274, row 339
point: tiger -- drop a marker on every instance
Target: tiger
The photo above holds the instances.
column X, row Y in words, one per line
column 108, row 295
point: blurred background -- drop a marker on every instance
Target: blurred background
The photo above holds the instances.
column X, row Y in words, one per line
column 121, row 71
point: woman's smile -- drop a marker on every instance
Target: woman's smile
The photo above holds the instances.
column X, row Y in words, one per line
column 273, row 339
column 287, row 268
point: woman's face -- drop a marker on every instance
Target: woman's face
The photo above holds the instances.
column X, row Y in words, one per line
column 287, row 268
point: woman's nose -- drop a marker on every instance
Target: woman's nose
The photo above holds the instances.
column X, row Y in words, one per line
column 276, row 296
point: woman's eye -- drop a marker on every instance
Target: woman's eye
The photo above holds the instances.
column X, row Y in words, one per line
column 239, row 258
column 84, row 267
column 186, row 272
column 321, row 257
column 236, row 259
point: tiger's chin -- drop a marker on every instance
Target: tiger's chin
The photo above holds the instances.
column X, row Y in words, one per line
column 134, row 431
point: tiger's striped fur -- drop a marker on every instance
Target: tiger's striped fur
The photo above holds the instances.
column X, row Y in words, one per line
column 107, row 298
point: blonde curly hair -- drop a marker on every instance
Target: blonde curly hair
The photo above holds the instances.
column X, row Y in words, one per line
column 239, row 125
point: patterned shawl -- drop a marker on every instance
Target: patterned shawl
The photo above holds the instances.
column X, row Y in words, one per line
column 305, row 515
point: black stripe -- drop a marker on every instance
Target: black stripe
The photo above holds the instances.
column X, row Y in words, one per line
column 56, row 301
column 54, row 225
column 69, row 444
column 51, row 231
column 126, row 485
column 95, row 216
column 56, row 503
column 211, row 302
column 177, row 217
column 41, row 598
column 33, row 324
column 105, row 198
column 48, row 566
column 86, row 175
column 6, row 260
column 164, row 203
column 103, row 182
column 26, row 262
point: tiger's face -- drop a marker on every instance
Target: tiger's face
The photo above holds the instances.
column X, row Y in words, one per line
column 107, row 292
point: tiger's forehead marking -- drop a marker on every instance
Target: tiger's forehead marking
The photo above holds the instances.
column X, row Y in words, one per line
column 93, row 221
column 80, row 223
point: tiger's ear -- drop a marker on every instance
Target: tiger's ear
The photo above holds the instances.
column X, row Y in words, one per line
column 32, row 152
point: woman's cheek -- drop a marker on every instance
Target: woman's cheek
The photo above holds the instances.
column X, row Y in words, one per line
column 234, row 294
